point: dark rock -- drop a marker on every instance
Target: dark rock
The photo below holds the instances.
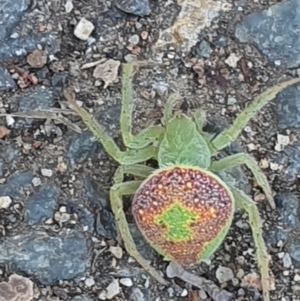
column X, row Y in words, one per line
column 276, row 32
column 10, row 14
column 135, row 7
column 20, row 47
column 9, row 153
column 105, row 224
column 41, row 205
column 47, row 256
column 287, row 208
column 40, row 99
column 203, row 49
column 6, row 81
column 142, row 245
column 220, row 41
column 81, row 146
column 59, row 80
column 288, row 107
column 16, row 182
column 92, row 194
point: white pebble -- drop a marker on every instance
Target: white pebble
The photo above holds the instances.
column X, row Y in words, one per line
column 232, row 60
column 184, row 293
column 287, row 261
column 134, row 39
column 113, row 289
column 297, row 277
column 5, row 202
column 126, row 282
column 116, row 251
column 102, row 295
column 36, row 181
column 46, row 172
column 83, row 29
column 89, row 282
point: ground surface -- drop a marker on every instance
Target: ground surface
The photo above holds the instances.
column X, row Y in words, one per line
column 56, row 226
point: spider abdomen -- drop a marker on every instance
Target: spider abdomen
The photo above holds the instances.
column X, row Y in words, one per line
column 184, row 212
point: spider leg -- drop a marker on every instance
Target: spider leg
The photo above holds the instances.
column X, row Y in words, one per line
column 245, row 203
column 169, row 106
column 230, row 135
column 129, row 188
column 239, row 159
column 123, row 157
column 146, row 136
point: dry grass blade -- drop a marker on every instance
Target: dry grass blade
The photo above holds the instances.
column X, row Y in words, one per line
column 54, row 114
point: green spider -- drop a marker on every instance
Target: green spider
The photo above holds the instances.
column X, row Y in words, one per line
column 183, row 209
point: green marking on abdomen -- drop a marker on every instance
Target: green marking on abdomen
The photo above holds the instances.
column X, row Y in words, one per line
column 177, row 220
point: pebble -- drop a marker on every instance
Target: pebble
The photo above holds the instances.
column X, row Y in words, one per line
column 287, row 261
column 134, row 39
column 116, row 251
column 41, row 205
column 126, row 282
column 46, row 172
column 5, row 202
column 297, row 277
column 6, row 81
column 224, row 274
column 47, row 256
column 89, row 282
column 268, row 30
column 130, row 58
column 135, row 7
column 203, row 49
column 232, row 60
column 113, row 289
column 83, row 29
column 36, row 181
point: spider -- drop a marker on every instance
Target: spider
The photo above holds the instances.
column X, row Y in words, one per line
column 183, row 209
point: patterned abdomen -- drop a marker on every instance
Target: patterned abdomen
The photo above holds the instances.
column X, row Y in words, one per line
column 184, row 212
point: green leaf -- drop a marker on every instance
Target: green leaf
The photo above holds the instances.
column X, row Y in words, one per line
column 183, row 144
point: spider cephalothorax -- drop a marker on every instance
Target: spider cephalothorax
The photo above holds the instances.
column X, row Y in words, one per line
column 183, row 209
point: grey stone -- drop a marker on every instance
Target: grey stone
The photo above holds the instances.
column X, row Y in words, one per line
column 135, row 7
column 6, row 81
column 10, row 13
column 47, row 256
column 203, row 50
column 288, row 107
column 275, row 31
column 81, row 146
column 41, row 205
column 105, row 224
column 138, row 294
column 9, row 153
column 20, row 47
column 16, row 182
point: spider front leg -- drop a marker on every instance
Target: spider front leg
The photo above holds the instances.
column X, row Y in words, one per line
column 119, row 190
column 123, row 157
column 146, row 136
column 230, row 135
column 239, row 159
column 245, row 203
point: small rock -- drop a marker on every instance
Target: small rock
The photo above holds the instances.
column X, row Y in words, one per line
column 46, row 172
column 116, row 251
column 83, row 29
column 126, row 282
column 108, row 72
column 36, row 181
column 203, row 50
column 135, row 7
column 69, row 6
column 6, row 81
column 297, row 277
column 113, row 289
column 134, row 39
column 5, row 202
column 47, row 256
column 4, row 131
column 37, row 59
column 224, row 274
column 232, row 60
column 89, row 282
column 287, row 261
column 130, row 58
